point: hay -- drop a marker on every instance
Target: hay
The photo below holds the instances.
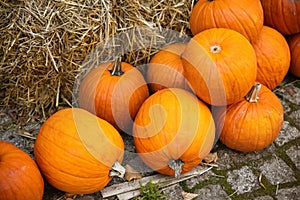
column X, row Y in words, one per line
column 44, row 45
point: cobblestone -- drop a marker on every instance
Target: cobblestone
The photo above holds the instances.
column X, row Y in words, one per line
column 242, row 180
column 294, row 154
column 290, row 93
column 229, row 158
column 191, row 183
column 277, row 171
column 287, row 134
column 295, row 116
column 214, row 192
column 289, row 193
column 263, row 198
column 174, row 192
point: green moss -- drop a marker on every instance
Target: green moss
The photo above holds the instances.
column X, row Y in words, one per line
column 150, row 191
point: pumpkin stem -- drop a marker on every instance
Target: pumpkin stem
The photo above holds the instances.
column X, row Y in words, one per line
column 176, row 165
column 216, row 48
column 116, row 69
column 117, row 170
column 252, row 95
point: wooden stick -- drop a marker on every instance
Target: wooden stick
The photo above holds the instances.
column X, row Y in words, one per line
column 129, row 190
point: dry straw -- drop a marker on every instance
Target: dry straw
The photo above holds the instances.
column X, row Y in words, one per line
column 46, row 44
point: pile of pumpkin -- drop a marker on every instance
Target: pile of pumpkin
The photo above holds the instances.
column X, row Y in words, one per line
column 217, row 84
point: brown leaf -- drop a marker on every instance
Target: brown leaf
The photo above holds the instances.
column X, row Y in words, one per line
column 69, row 196
column 131, row 174
column 211, row 158
column 188, row 196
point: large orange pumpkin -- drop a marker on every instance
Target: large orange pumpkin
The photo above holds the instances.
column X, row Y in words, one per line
column 114, row 92
column 253, row 123
column 294, row 45
column 273, row 57
column 220, row 65
column 166, row 70
column 173, row 131
column 282, row 15
column 20, row 177
column 245, row 17
column 77, row 151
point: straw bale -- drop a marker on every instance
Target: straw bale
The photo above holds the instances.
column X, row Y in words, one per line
column 46, row 44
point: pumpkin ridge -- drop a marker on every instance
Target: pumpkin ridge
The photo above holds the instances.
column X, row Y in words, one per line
column 284, row 19
column 75, row 155
column 68, row 172
column 215, row 16
column 236, row 19
column 253, row 25
column 242, row 121
column 99, row 181
column 101, row 109
column 78, row 142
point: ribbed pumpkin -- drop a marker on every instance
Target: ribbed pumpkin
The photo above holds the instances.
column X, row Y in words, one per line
column 173, row 131
column 114, row 92
column 166, row 70
column 282, row 15
column 273, row 57
column 78, row 152
column 245, row 17
column 20, row 177
column 294, row 45
column 220, row 65
column 253, row 123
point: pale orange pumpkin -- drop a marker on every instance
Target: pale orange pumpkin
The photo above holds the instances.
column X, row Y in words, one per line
column 20, row 177
column 77, row 152
column 294, row 45
column 165, row 69
column 273, row 57
column 220, row 65
column 114, row 92
column 173, row 131
column 253, row 123
column 245, row 17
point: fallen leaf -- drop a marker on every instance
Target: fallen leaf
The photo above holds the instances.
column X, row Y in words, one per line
column 131, row 174
column 290, row 91
column 188, row 196
column 69, row 196
column 211, row 157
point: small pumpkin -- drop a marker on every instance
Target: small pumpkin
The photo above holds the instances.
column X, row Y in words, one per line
column 282, row 15
column 245, row 17
column 166, row 69
column 20, row 177
column 294, row 45
column 173, row 131
column 253, row 123
column 220, row 66
column 114, row 92
column 78, row 152
column 273, row 57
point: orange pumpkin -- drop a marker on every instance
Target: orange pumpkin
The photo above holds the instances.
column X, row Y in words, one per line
column 294, row 45
column 20, row 177
column 253, row 123
column 114, row 92
column 220, row 65
column 166, row 70
column 282, row 15
column 78, row 152
column 173, row 131
column 245, row 17
column 273, row 57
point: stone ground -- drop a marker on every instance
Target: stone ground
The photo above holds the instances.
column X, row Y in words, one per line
column 272, row 173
